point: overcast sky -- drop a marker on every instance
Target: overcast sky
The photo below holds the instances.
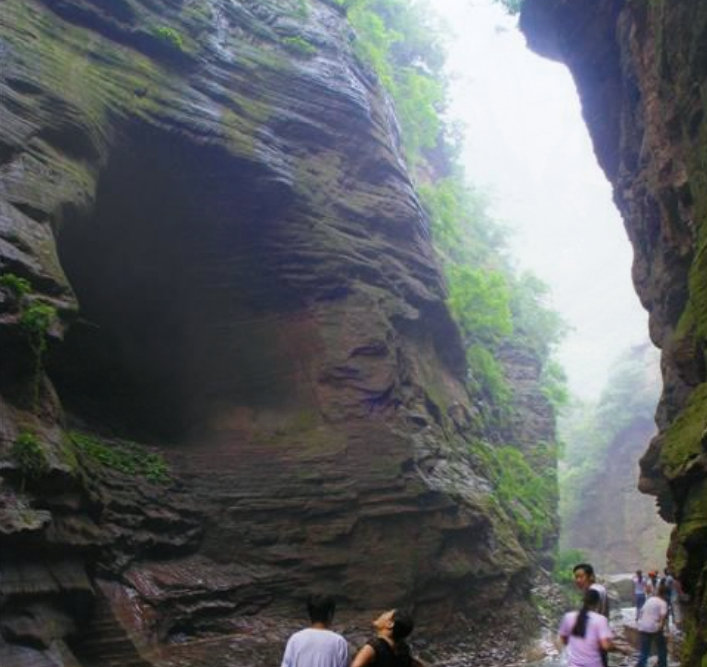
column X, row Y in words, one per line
column 527, row 145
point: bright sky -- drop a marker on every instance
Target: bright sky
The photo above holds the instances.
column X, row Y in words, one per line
column 527, row 145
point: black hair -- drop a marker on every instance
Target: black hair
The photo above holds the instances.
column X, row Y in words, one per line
column 321, row 608
column 588, row 569
column 591, row 602
column 402, row 624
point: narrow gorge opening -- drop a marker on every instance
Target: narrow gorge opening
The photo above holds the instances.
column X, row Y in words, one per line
column 177, row 280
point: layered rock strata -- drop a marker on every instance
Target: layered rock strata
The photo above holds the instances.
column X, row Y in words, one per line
column 641, row 71
column 211, row 196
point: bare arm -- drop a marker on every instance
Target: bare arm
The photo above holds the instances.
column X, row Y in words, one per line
column 364, row 657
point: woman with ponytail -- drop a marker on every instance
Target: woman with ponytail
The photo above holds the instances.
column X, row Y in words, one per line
column 586, row 633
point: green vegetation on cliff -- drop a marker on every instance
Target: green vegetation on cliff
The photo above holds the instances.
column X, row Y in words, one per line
column 521, row 490
column 35, row 318
column 30, row 456
column 500, row 313
column 125, row 457
column 491, row 303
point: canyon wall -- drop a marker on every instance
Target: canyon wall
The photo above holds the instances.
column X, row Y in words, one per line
column 206, row 219
column 641, row 72
column 602, row 511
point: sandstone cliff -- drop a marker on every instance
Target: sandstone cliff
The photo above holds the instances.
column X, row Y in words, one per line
column 641, row 70
column 211, row 197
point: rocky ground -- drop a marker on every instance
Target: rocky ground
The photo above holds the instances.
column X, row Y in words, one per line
column 505, row 641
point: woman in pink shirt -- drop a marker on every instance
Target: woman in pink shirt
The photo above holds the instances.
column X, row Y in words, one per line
column 586, row 633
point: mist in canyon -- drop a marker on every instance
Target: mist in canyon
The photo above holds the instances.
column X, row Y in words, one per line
column 525, row 144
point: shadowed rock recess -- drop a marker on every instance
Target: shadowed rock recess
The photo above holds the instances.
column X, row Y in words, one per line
column 641, row 71
column 245, row 286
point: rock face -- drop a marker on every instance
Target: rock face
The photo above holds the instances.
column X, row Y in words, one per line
column 641, row 69
column 212, row 197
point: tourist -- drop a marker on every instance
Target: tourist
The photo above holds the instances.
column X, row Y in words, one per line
column 639, row 591
column 586, row 633
column 652, row 583
column 317, row 646
column 388, row 648
column 585, row 580
column 671, row 598
column 650, row 627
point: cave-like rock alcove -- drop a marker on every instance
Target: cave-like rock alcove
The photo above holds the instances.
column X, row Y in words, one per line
column 176, row 273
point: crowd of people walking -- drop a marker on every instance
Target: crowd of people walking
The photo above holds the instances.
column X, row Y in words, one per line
column 586, row 633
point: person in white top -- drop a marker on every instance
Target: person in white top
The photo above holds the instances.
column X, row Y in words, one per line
column 317, row 645
column 586, row 633
column 584, row 579
column 650, row 627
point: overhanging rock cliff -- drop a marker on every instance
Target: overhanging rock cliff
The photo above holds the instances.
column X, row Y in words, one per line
column 211, row 196
column 641, row 71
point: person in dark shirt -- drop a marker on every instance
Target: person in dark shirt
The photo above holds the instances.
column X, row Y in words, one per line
column 389, row 648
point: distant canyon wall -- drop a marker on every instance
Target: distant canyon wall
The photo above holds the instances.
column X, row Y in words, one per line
column 641, row 71
column 602, row 511
column 614, row 524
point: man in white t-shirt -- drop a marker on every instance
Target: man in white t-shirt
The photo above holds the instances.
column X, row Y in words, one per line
column 317, row 646
column 650, row 626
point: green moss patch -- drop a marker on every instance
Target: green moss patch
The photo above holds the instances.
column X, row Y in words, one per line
column 299, row 45
column 683, row 440
column 126, row 457
column 29, row 455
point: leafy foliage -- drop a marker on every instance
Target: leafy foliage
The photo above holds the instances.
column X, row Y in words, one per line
column 19, row 287
column 553, row 382
column 35, row 320
column 463, row 230
column 486, row 377
column 126, row 457
column 30, row 456
column 525, row 493
column 540, row 328
column 479, row 300
column 169, row 36
column 396, row 39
